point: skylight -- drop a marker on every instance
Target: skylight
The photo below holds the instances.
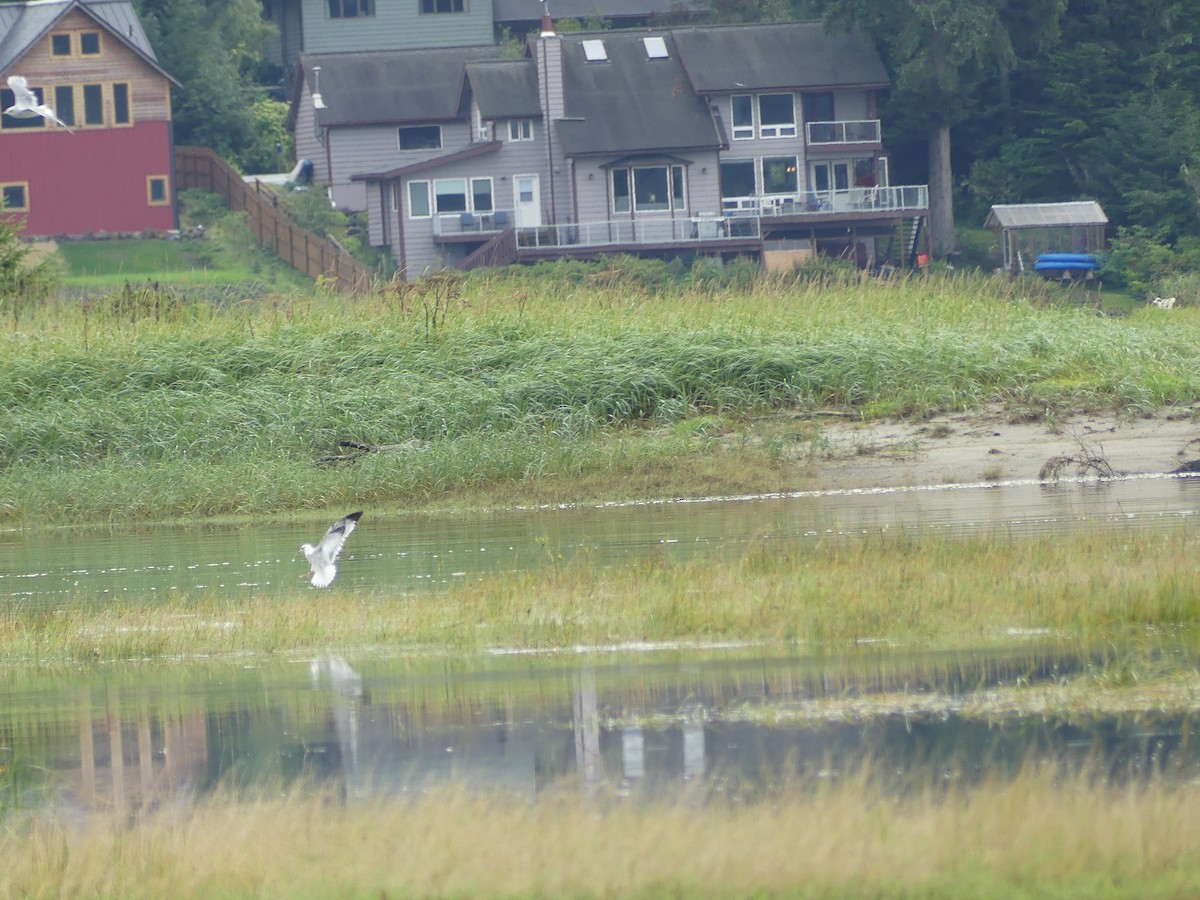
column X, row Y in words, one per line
column 593, row 51
column 656, row 47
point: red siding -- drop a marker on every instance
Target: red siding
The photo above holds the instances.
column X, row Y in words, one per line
column 92, row 180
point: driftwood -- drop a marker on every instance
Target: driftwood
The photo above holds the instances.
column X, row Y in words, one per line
column 1089, row 462
column 358, row 449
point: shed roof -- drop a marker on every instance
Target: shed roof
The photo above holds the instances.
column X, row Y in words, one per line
column 1046, row 215
column 23, row 24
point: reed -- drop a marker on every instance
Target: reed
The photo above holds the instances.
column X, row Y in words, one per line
column 926, row 592
column 1045, row 832
column 239, row 400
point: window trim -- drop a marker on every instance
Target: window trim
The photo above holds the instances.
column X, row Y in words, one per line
column 429, row 7
column 99, row 43
column 675, row 187
column 87, row 123
column 423, row 182
column 24, row 186
column 166, row 187
column 744, row 131
column 35, row 123
column 520, row 130
column 70, row 36
column 112, row 93
column 774, row 130
column 341, row 5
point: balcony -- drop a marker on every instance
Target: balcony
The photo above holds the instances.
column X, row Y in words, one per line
column 640, row 232
column 472, row 224
column 896, row 198
column 862, row 131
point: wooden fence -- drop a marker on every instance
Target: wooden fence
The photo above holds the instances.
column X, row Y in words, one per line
column 317, row 257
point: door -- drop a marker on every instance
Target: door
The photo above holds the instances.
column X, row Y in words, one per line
column 527, row 201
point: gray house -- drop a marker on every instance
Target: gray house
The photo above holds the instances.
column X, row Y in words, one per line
column 757, row 140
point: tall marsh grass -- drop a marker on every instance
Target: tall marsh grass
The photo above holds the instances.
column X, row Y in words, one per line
column 249, row 395
column 1046, row 833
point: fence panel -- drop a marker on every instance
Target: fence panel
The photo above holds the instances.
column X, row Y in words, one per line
column 316, row 257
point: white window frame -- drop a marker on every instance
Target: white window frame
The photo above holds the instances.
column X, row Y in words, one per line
column 491, row 193
column 425, row 185
column 520, row 130
column 744, row 131
column 776, row 129
column 403, row 128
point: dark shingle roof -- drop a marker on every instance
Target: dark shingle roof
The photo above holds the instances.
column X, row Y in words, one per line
column 509, row 11
column 629, row 103
column 391, row 86
column 23, row 24
column 505, row 90
column 779, row 55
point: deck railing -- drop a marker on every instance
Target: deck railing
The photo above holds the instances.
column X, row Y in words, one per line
column 861, row 131
column 629, row 232
column 895, row 198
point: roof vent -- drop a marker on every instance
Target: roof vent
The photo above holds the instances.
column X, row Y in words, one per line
column 656, row 47
column 593, row 51
column 317, row 101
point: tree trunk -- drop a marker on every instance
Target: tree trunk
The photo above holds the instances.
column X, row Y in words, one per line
column 941, row 199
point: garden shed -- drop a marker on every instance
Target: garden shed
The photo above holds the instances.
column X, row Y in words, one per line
column 1027, row 230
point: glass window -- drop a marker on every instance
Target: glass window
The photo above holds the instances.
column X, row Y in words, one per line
column 351, row 9
column 15, row 196
column 93, row 105
column 743, row 117
column 443, row 6
column 779, row 175
column 776, row 115
column 818, row 107
column 481, row 194
column 520, row 129
column 418, row 199
column 60, row 45
column 89, row 43
column 156, row 187
column 677, row 187
column 7, row 99
column 650, row 188
column 737, row 178
column 120, row 103
column 64, row 103
column 450, row 195
column 620, row 189
column 421, row 137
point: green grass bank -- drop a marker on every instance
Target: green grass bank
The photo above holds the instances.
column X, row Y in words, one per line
column 505, row 389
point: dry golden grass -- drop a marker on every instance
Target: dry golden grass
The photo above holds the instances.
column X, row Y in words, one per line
column 1043, row 834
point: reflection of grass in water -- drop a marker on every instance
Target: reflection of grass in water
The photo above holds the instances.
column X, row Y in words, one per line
column 926, row 592
column 1044, row 833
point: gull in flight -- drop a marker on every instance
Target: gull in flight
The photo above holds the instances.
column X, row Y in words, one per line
column 25, row 103
column 323, row 557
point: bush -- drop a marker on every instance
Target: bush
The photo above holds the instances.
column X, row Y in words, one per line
column 1150, row 268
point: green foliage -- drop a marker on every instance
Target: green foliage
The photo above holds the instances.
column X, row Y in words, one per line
column 24, row 278
column 270, row 148
column 1140, row 261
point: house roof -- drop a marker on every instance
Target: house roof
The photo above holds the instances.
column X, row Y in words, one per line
column 505, row 89
column 508, row 11
column 1046, row 215
column 391, row 86
column 427, row 164
column 630, row 103
column 786, row 55
column 24, row 24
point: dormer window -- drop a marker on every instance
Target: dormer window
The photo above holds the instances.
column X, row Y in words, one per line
column 520, row 129
column 594, row 51
column 656, row 47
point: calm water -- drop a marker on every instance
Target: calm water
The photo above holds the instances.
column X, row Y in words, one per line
column 654, row 725
column 715, row 721
column 419, row 552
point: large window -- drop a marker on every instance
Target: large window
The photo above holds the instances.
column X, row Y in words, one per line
column 776, row 116
column 654, row 189
column 481, row 194
column 64, row 103
column 421, row 137
column 7, row 99
column 450, row 195
column 351, row 9
column 443, row 6
column 779, row 175
column 93, row 104
column 737, row 178
column 743, row 117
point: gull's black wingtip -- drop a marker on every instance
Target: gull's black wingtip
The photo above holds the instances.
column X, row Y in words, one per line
column 355, row 516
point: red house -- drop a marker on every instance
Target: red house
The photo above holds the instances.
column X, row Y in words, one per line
column 111, row 172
